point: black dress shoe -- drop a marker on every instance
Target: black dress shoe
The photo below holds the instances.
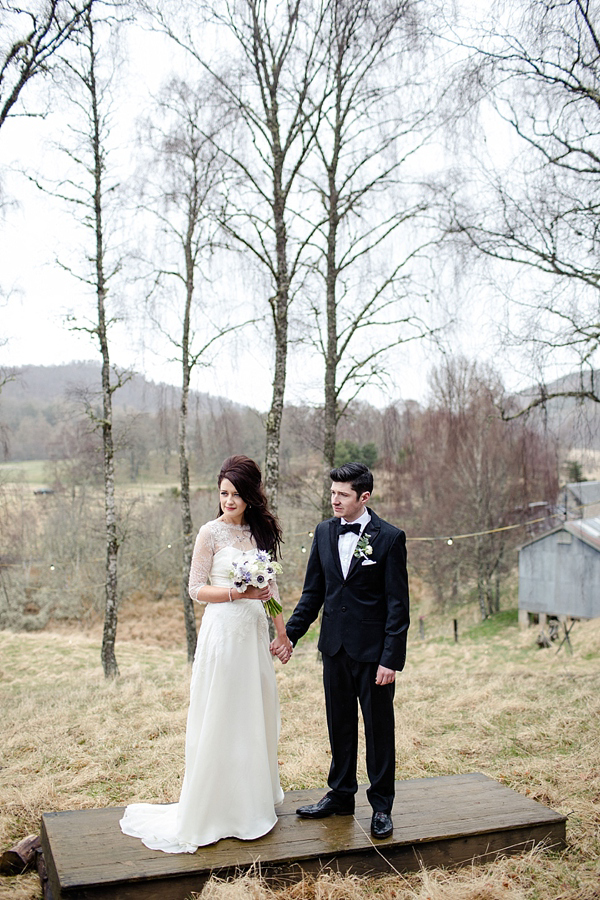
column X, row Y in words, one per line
column 327, row 806
column 381, row 825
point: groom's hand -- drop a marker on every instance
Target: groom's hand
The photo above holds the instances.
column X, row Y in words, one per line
column 385, row 676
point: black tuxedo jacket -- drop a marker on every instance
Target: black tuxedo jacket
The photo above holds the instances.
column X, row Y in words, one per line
column 366, row 613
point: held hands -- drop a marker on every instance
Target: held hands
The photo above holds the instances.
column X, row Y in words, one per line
column 282, row 648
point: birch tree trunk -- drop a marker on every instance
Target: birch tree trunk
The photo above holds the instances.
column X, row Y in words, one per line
column 184, row 467
column 109, row 660
column 87, row 89
column 279, row 308
column 182, row 175
column 330, row 412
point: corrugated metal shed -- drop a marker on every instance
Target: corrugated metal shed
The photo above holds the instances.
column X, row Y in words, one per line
column 559, row 572
column 586, row 529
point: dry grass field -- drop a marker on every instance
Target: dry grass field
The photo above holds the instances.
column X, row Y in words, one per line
column 493, row 703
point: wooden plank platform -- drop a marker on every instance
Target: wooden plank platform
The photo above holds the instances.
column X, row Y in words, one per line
column 443, row 821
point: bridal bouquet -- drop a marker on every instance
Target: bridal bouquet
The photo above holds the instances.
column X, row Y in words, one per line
column 256, row 569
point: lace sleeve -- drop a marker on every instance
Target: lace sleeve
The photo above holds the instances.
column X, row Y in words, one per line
column 201, row 562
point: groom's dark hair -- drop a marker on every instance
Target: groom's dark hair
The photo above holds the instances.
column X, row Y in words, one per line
column 359, row 476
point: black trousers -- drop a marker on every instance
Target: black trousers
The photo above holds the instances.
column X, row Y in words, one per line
column 348, row 683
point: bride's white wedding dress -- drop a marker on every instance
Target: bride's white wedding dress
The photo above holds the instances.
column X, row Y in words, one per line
column 231, row 783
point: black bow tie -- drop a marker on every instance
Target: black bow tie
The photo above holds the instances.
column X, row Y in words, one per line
column 345, row 527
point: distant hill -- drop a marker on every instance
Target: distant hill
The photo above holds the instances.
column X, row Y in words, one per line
column 40, row 409
column 44, row 385
column 574, row 422
column 43, row 407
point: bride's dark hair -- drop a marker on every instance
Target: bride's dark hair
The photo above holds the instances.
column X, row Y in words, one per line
column 245, row 476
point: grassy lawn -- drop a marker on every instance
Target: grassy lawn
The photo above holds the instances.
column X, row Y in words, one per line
column 151, row 479
column 30, row 471
column 493, row 703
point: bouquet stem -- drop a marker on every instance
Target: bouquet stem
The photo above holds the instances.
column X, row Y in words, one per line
column 273, row 607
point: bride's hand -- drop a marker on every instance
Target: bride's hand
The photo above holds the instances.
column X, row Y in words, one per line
column 255, row 593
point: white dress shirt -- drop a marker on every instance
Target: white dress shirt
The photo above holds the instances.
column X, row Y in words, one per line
column 347, row 542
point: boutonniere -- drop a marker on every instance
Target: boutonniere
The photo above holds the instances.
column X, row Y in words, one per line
column 363, row 547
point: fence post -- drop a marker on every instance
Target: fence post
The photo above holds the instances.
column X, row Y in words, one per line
column 455, row 631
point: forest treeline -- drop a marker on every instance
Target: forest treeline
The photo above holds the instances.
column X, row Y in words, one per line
column 442, row 471
column 44, row 415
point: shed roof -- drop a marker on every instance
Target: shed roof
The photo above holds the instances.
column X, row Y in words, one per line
column 585, row 492
column 587, row 530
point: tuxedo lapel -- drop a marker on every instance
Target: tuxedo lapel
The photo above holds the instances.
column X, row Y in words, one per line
column 334, row 531
column 372, row 529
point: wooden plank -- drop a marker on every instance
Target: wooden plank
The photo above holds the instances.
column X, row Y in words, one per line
column 293, row 840
column 335, row 833
column 437, row 821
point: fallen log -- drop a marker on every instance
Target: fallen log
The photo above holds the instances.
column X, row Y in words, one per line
column 21, row 857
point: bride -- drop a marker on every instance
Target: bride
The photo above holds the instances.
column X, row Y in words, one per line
column 231, row 783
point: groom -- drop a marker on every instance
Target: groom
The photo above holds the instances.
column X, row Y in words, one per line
column 357, row 573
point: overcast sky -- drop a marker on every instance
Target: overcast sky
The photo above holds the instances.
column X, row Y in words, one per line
column 37, row 293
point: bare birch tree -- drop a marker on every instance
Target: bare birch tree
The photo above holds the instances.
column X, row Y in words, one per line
column 87, row 190
column 32, row 34
column 371, row 127
column 180, row 192
column 538, row 64
column 277, row 53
